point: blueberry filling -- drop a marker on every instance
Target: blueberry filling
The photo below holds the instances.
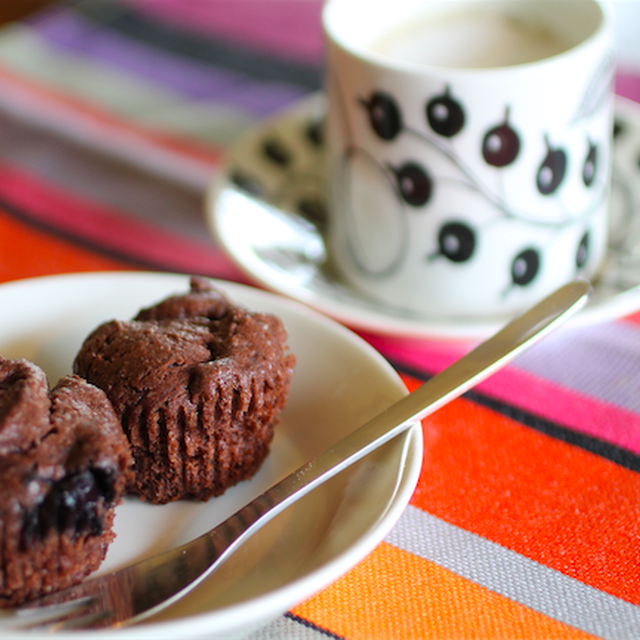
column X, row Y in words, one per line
column 75, row 502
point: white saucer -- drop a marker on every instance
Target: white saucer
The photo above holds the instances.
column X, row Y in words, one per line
column 339, row 382
column 254, row 211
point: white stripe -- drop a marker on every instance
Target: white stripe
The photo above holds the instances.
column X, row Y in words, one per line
column 121, row 143
column 284, row 628
column 514, row 576
column 139, row 101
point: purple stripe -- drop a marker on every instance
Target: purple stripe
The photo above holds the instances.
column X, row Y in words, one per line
column 192, row 80
column 598, row 361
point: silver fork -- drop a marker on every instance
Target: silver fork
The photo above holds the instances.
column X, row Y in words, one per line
column 136, row 592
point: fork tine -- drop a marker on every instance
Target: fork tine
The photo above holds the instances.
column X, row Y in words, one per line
column 55, row 617
column 45, row 617
column 81, row 622
column 55, row 609
column 88, row 604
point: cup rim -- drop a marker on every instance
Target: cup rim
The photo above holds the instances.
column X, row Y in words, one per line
column 603, row 30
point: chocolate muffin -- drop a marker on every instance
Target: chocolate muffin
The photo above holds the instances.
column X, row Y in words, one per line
column 64, row 466
column 198, row 383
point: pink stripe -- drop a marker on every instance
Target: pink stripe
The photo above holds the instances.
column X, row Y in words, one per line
column 109, row 228
column 628, row 85
column 566, row 407
column 422, row 355
column 526, row 391
column 285, row 27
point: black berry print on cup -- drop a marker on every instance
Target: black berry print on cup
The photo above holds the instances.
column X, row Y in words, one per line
column 276, row 152
column 246, row 183
column 590, row 165
column 552, row 170
column 456, row 242
column 384, row 115
column 501, row 144
column 414, row 183
column 445, row 114
column 582, row 254
column 525, row 267
column 618, row 128
column 314, row 132
column 314, row 210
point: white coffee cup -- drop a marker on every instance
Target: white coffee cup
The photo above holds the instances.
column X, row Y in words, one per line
column 469, row 147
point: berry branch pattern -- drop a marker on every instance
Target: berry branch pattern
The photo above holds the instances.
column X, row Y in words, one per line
column 295, row 192
column 445, row 117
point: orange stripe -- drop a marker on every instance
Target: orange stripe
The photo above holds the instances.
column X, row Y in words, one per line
column 26, row 252
column 394, row 594
column 555, row 503
column 44, row 95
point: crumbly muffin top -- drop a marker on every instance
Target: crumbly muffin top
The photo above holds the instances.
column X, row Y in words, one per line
column 177, row 346
column 202, row 301
column 47, row 436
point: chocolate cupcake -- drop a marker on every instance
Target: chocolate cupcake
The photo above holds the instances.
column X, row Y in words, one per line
column 198, row 384
column 64, row 466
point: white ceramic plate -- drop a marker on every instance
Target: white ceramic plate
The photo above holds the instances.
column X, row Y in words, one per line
column 266, row 210
column 339, row 382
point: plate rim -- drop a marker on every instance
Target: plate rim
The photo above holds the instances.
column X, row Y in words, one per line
column 277, row 601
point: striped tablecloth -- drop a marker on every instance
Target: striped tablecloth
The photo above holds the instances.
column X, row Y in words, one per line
column 114, row 117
